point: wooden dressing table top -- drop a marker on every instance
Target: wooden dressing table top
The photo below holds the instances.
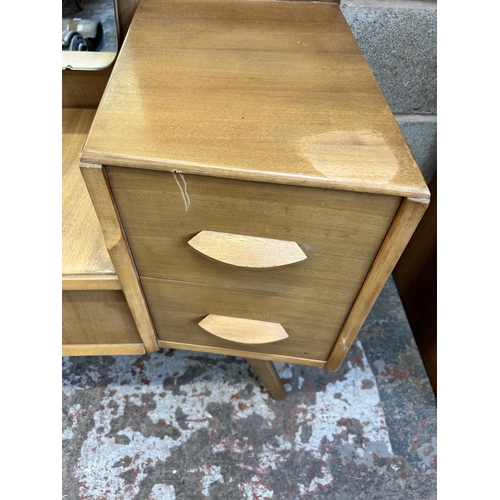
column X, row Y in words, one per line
column 258, row 90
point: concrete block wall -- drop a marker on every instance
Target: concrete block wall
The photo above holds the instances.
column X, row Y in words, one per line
column 398, row 39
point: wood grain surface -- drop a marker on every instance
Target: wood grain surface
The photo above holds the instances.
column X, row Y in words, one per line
column 97, row 317
column 125, row 10
column 402, row 228
column 83, row 250
column 267, row 91
column 82, row 89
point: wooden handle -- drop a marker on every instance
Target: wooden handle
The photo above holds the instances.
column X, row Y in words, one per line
column 243, row 331
column 247, row 251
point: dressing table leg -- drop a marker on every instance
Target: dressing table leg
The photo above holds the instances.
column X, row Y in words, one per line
column 266, row 371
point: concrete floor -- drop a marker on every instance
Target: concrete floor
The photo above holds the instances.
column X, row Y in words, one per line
column 186, row 425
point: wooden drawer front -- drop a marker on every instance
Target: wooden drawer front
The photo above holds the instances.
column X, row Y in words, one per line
column 97, row 317
column 340, row 232
column 177, row 309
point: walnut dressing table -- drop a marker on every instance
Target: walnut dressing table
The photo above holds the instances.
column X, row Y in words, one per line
column 245, row 162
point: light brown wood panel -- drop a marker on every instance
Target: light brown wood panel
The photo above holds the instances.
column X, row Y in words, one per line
column 82, row 89
column 267, row 373
column 83, row 250
column 405, row 223
column 116, row 244
column 97, row 317
column 339, row 231
column 269, row 91
column 178, row 307
column 102, row 349
column 125, row 10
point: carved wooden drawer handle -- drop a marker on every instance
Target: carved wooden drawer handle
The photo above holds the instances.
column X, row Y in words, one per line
column 244, row 331
column 247, row 251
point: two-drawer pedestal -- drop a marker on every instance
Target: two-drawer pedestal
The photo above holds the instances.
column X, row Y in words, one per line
column 311, row 298
column 262, row 185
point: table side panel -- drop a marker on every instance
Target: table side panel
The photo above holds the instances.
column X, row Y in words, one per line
column 97, row 317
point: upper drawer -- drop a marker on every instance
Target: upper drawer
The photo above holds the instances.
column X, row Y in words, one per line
column 340, row 232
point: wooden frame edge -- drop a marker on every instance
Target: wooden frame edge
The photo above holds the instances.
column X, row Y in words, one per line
column 403, row 225
column 102, row 349
column 165, row 344
column 119, row 251
column 90, row 282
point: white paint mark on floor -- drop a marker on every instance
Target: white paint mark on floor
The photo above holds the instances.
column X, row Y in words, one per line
column 162, row 492
column 67, row 434
column 254, row 490
column 331, row 415
column 212, row 474
column 321, row 481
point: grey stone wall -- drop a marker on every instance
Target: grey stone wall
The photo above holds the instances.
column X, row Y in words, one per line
column 398, row 39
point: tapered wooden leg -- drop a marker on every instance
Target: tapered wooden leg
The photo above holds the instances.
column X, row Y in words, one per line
column 266, row 371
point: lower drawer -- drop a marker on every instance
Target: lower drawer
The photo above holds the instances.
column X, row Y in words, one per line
column 177, row 309
column 98, row 322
